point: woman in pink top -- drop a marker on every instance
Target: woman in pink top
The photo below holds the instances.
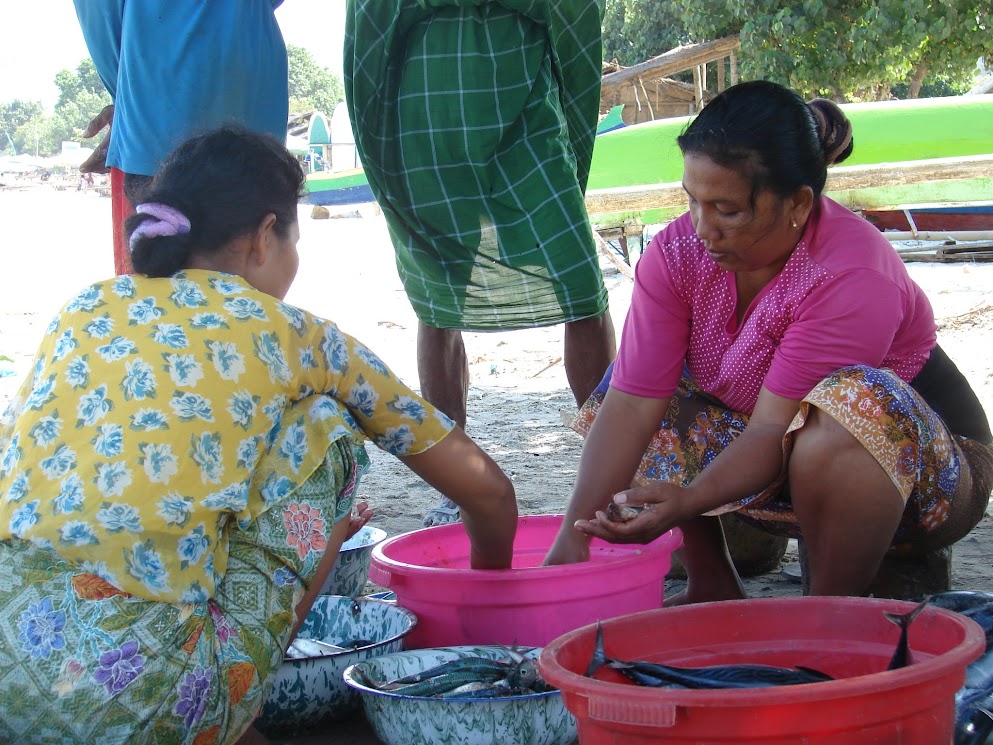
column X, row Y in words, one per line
column 777, row 361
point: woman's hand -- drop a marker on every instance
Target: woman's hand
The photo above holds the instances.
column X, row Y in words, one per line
column 570, row 546
column 665, row 506
column 361, row 515
column 459, row 469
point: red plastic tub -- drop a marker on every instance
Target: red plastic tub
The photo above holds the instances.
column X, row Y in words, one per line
column 528, row 604
column 847, row 638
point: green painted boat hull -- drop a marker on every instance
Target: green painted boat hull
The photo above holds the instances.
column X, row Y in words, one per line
column 885, row 132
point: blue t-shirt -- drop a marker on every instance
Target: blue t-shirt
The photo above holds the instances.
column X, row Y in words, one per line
column 176, row 68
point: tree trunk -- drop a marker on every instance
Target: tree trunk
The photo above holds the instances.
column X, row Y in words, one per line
column 914, row 89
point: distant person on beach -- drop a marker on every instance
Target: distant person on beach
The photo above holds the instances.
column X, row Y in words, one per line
column 177, row 473
column 475, row 124
column 777, row 362
column 175, row 68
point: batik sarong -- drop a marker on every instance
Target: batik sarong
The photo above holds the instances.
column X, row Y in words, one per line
column 82, row 662
column 909, row 441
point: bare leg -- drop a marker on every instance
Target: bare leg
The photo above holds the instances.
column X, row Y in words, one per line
column 443, row 371
column 847, row 506
column 710, row 572
column 590, row 347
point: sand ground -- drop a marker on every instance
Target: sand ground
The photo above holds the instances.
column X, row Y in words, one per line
column 56, row 242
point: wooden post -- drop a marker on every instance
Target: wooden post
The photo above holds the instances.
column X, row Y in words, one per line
column 720, row 75
column 697, row 88
column 607, row 251
column 733, row 64
column 648, row 99
column 120, row 210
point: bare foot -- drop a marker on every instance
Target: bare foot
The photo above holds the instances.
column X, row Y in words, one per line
column 692, row 595
column 443, row 513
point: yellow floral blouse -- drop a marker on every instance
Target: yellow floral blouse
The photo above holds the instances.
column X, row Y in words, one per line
column 154, row 405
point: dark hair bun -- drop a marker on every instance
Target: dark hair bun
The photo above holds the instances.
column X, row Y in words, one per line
column 833, row 129
column 160, row 255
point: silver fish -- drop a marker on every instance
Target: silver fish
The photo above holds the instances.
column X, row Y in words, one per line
column 303, row 648
column 713, row 676
column 901, row 655
column 622, row 513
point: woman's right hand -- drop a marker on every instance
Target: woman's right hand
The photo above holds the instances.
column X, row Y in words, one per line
column 458, row 468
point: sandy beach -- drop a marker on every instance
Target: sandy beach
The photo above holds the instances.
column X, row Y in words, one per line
column 58, row 242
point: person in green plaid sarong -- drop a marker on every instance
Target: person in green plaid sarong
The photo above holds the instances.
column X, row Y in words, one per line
column 474, row 122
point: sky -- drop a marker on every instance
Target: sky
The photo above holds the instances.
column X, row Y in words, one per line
column 41, row 37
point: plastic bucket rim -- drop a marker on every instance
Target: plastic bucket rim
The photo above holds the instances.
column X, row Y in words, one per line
column 666, row 543
column 349, row 672
column 972, row 644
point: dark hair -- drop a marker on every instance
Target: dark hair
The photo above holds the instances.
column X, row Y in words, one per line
column 770, row 136
column 225, row 182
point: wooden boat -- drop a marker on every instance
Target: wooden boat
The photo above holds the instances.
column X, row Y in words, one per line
column 887, row 132
column 337, row 188
column 933, row 219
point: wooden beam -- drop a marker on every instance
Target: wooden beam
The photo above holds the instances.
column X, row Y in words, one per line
column 673, row 61
column 840, row 178
column 697, row 88
column 616, row 260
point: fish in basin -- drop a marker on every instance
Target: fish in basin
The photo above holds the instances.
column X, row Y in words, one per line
column 739, row 675
column 470, row 677
column 974, row 701
column 902, row 655
column 712, row 676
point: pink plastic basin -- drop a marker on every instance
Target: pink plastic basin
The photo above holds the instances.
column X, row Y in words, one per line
column 847, row 638
column 528, row 604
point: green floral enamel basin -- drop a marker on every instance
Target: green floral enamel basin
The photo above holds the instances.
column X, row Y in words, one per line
column 310, row 692
column 351, row 570
column 533, row 719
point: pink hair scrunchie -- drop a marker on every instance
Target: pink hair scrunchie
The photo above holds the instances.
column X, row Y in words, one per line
column 168, row 221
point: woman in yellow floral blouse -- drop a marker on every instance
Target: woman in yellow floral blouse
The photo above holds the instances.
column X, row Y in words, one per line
column 177, row 473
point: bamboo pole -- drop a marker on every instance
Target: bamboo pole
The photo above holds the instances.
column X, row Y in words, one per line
column 673, row 61
column 616, row 260
column 957, row 236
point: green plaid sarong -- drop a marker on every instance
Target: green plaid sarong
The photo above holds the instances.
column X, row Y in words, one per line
column 475, row 122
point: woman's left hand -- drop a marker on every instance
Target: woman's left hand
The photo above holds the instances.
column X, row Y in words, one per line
column 665, row 506
column 359, row 518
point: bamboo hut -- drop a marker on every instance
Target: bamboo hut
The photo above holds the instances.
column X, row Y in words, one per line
column 647, row 91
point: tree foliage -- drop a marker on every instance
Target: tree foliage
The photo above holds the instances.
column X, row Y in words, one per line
column 843, row 49
column 635, row 30
column 312, row 88
column 13, row 116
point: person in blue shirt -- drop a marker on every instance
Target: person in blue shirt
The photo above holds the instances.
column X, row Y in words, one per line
column 177, row 68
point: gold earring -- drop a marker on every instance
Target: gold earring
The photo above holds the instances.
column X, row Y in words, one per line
column 793, row 222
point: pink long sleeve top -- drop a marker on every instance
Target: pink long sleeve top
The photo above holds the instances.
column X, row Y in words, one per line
column 843, row 298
